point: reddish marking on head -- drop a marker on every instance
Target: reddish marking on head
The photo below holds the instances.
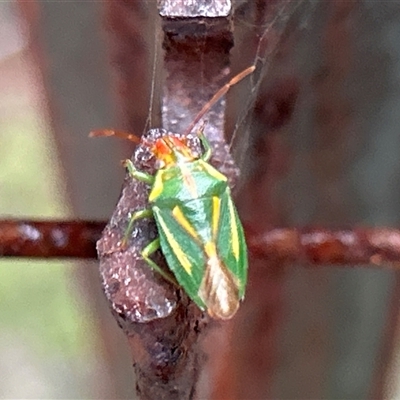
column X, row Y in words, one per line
column 169, row 148
column 161, row 149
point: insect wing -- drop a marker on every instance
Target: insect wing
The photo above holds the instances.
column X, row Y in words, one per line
column 225, row 275
column 184, row 254
column 203, row 243
column 231, row 244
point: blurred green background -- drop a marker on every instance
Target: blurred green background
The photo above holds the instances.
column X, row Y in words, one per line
column 41, row 316
column 52, row 334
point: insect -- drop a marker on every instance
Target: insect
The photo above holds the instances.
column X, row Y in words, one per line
column 199, row 231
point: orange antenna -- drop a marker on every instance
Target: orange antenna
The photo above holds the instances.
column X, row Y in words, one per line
column 113, row 132
column 133, row 138
column 237, row 78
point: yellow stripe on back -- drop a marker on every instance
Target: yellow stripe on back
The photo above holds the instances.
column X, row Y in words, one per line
column 179, row 253
column 212, row 171
column 210, row 250
column 234, row 230
column 183, row 222
column 216, row 211
column 157, row 188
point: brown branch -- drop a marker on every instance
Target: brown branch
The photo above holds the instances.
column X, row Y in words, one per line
column 49, row 239
column 162, row 326
column 319, row 246
column 312, row 247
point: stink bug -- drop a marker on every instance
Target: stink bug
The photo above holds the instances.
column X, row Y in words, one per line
column 199, row 231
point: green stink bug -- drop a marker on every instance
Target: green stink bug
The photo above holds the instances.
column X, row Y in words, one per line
column 199, row 231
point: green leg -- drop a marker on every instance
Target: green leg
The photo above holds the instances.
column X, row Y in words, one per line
column 139, row 175
column 145, row 213
column 151, row 248
column 206, row 144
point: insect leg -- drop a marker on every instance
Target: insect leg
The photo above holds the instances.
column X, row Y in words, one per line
column 139, row 175
column 145, row 213
column 206, row 144
column 151, row 248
